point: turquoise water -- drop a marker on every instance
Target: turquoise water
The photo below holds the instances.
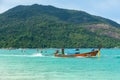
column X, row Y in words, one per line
column 24, row 64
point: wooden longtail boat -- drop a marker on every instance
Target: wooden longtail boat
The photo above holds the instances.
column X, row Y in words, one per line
column 87, row 54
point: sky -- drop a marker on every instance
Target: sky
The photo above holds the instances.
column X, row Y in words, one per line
column 104, row 8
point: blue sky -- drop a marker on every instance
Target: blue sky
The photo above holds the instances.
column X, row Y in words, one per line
column 105, row 8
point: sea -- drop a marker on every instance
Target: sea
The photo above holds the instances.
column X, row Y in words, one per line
column 40, row 64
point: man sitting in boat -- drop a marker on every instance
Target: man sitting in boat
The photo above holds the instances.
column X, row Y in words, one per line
column 77, row 51
column 73, row 51
column 93, row 49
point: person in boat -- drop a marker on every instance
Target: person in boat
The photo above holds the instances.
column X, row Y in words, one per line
column 93, row 49
column 73, row 51
column 77, row 51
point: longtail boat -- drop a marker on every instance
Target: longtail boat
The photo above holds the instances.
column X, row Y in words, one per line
column 87, row 54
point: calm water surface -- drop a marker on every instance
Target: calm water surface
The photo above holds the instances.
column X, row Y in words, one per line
column 21, row 64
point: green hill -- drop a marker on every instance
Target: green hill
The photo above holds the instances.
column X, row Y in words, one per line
column 47, row 26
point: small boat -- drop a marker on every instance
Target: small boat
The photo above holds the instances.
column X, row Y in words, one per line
column 87, row 54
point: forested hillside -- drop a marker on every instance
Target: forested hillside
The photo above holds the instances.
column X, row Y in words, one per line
column 39, row 26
